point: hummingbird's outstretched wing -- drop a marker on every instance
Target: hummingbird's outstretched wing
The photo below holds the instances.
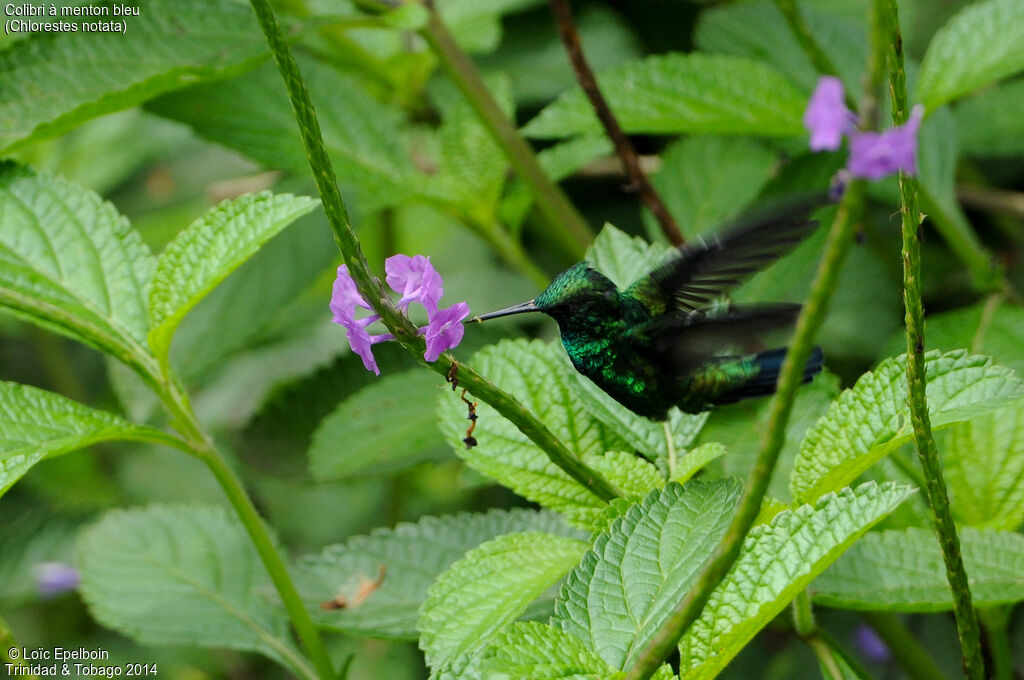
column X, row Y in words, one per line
column 703, row 269
column 681, row 342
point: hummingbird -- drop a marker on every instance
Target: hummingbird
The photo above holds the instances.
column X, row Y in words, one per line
column 663, row 341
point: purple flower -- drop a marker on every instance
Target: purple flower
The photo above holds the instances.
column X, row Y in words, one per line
column 827, row 117
column 55, row 578
column 445, row 330
column 876, row 154
column 416, row 279
column 871, row 645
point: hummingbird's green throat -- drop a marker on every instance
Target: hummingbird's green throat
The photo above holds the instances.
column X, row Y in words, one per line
column 658, row 343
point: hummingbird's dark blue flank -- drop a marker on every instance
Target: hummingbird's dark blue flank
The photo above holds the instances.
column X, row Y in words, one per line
column 660, row 342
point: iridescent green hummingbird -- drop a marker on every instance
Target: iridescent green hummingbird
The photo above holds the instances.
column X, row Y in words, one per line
column 663, row 341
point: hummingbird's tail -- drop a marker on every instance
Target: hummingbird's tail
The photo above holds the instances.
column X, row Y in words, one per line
column 770, row 363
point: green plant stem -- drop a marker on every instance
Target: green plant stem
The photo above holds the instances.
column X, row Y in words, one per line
column 566, row 223
column 824, row 647
column 790, row 378
column 915, row 660
column 995, row 621
column 373, row 291
column 935, row 487
column 803, row 615
column 829, row 666
column 203, row 448
column 841, row 652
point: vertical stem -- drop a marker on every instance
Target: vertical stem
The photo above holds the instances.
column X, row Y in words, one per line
column 623, row 147
column 995, row 621
column 803, row 615
column 935, row 487
column 565, row 221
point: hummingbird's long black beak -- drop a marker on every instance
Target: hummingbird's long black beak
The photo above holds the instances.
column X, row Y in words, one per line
column 522, row 307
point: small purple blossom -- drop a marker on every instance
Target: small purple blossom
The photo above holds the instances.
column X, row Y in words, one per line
column 827, row 117
column 873, row 155
column 871, row 645
column 416, row 279
column 876, row 154
column 55, row 578
column 445, row 330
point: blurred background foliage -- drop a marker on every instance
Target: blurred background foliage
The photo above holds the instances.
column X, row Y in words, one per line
column 421, row 175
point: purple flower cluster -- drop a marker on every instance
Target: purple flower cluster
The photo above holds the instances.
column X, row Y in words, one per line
column 873, row 155
column 55, row 578
column 416, row 280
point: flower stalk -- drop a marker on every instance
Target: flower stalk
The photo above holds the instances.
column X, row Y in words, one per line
column 935, row 488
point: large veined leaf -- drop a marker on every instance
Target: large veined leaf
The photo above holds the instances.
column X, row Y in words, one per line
column 388, row 425
column 489, row 587
column 983, row 463
column 903, row 571
column 208, row 250
column 981, row 44
column 35, row 424
column 50, row 83
column 626, row 586
column 70, row 262
column 777, row 561
column 251, row 114
column 872, row 418
column 706, row 179
column 413, row 556
column 537, row 375
column 527, row 649
column 182, row 575
column 624, row 258
column 678, row 93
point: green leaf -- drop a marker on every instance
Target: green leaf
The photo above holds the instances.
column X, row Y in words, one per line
column 537, row 374
column 682, row 93
column 987, row 123
column 624, row 258
column 476, row 24
column 387, row 426
column 692, row 461
column 182, row 575
column 413, row 555
column 70, row 262
column 872, row 418
column 365, row 138
column 51, row 83
column 983, row 464
column 35, row 424
column 706, row 179
column 207, row 251
column 489, row 587
column 528, row 649
column 992, row 328
column 982, row 43
column 777, row 561
column 903, row 571
column 28, row 538
column 624, row 589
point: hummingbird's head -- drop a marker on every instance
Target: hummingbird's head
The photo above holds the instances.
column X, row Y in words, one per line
column 580, row 288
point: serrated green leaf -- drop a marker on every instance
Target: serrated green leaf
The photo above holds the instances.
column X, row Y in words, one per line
column 777, row 561
column 527, row 649
column 692, row 461
column 872, row 418
column 388, row 425
column 626, row 586
column 987, row 123
column 706, row 179
column 489, row 587
column 624, row 258
column 676, row 93
column 537, row 374
column 182, row 575
column 365, row 138
column 981, row 44
column 70, row 262
column 983, row 464
column 50, row 83
column 208, row 250
column 903, row 571
column 413, row 556
column 35, row 424
column 992, row 329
